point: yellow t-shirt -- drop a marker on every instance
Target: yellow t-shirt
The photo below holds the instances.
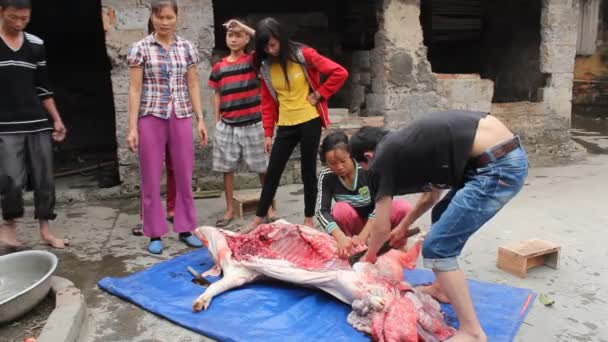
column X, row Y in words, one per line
column 294, row 107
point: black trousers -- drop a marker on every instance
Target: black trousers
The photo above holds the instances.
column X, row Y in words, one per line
column 21, row 156
column 308, row 135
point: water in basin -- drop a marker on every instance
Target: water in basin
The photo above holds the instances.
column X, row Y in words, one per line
column 25, row 279
column 11, row 285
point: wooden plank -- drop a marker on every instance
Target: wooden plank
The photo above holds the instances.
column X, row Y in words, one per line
column 532, row 248
column 517, row 258
column 246, row 202
column 511, row 262
column 247, row 196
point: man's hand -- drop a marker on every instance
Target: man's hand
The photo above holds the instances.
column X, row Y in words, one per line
column 359, row 240
column 59, row 131
column 133, row 140
column 345, row 244
column 398, row 236
column 201, row 130
column 369, row 257
column 267, row 145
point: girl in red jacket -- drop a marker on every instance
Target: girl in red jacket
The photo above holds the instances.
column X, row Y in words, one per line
column 294, row 100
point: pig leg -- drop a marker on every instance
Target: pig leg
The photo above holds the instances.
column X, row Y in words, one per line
column 230, row 280
column 214, row 271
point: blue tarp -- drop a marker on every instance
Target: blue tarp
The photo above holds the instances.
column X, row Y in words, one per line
column 273, row 311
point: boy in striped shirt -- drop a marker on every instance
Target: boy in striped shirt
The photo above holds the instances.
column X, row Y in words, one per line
column 236, row 100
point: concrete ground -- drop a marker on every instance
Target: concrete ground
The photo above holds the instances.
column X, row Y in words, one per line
column 565, row 204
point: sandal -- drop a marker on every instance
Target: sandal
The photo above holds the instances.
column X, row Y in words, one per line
column 223, row 222
column 138, row 230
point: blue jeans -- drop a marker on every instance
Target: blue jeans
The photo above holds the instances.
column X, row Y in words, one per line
column 464, row 210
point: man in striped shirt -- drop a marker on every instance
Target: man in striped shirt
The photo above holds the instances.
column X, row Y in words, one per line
column 29, row 121
column 238, row 132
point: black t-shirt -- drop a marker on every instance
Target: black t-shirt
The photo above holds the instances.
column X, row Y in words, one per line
column 24, row 84
column 433, row 150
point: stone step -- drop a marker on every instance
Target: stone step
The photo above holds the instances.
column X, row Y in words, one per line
column 584, row 132
column 597, row 144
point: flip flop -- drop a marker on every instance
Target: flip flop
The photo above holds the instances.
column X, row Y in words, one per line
column 223, row 222
column 138, row 230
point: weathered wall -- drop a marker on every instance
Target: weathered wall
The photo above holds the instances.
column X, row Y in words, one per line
column 466, row 91
column 393, row 79
column 407, row 89
column 360, row 82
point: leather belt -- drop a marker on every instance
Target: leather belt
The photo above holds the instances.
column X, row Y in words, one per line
column 495, row 153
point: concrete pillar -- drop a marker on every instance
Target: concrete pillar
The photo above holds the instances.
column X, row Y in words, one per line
column 402, row 75
column 558, row 51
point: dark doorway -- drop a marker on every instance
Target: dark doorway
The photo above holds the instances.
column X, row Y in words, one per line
column 500, row 40
column 80, row 75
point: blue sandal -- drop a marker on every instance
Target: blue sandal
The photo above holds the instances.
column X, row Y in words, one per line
column 155, row 247
column 191, row 241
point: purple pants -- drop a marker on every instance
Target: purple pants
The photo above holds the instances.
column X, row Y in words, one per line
column 351, row 224
column 174, row 135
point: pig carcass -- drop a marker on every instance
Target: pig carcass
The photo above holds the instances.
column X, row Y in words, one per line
column 383, row 304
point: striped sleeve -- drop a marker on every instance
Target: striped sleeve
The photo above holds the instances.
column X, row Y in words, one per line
column 43, row 88
column 324, row 197
column 214, row 76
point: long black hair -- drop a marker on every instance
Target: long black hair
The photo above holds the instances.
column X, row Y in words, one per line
column 156, row 6
column 333, row 141
column 270, row 28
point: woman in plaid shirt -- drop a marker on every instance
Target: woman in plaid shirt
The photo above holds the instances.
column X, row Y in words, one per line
column 164, row 92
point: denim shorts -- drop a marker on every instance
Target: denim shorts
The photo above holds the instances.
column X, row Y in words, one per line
column 464, row 210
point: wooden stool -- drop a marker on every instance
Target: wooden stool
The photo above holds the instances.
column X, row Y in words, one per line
column 246, row 202
column 517, row 258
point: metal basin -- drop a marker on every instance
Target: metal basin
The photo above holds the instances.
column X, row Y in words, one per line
column 25, row 279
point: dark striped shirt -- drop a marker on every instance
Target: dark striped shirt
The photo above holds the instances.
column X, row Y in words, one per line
column 239, row 90
column 24, row 83
column 331, row 187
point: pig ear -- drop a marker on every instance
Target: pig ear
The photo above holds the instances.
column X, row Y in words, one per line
column 409, row 258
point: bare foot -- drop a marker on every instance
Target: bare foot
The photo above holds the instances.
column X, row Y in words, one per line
column 252, row 225
column 55, row 242
column 8, row 235
column 309, row 222
column 435, row 291
column 271, row 213
column 462, row 336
